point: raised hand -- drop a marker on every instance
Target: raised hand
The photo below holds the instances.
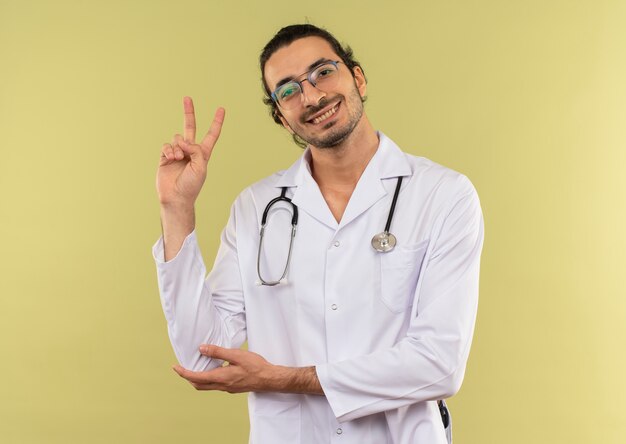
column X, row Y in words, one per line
column 183, row 163
column 181, row 174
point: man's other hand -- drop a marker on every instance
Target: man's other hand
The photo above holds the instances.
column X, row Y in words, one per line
column 246, row 371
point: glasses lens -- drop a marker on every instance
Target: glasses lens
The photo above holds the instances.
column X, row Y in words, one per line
column 288, row 95
column 324, row 76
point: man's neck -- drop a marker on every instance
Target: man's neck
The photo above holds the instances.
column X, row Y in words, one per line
column 341, row 167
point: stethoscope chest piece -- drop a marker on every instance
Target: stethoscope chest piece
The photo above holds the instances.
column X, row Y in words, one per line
column 384, row 242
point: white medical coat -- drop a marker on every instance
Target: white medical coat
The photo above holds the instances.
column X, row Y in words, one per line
column 389, row 333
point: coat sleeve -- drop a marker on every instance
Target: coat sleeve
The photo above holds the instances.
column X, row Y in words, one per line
column 429, row 362
column 198, row 310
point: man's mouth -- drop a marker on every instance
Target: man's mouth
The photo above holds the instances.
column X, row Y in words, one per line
column 325, row 115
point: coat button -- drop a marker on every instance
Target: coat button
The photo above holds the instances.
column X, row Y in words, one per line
column 337, row 243
column 334, row 306
column 339, row 431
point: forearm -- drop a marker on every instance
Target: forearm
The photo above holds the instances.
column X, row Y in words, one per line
column 412, row 371
column 183, row 295
column 177, row 221
column 295, row 380
column 200, row 309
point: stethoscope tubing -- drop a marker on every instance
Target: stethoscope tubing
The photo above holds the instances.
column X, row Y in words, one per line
column 393, row 204
column 294, row 224
column 385, row 236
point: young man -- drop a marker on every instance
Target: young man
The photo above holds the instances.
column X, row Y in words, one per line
column 359, row 319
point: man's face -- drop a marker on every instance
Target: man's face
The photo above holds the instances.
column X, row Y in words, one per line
column 311, row 119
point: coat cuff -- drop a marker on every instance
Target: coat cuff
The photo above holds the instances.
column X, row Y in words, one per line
column 331, row 392
column 158, row 250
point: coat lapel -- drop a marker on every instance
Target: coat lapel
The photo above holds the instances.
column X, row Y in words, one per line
column 307, row 195
column 388, row 161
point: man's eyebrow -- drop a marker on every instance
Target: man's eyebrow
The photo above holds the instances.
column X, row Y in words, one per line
column 311, row 66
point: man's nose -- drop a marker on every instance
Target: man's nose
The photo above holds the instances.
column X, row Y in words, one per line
column 311, row 95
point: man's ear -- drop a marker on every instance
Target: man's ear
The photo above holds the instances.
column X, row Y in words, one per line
column 359, row 80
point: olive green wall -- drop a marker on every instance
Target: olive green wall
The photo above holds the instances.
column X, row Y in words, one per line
column 527, row 98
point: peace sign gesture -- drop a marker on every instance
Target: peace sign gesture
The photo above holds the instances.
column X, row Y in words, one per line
column 183, row 163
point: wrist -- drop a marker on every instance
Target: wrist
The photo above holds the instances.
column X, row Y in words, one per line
column 178, row 216
column 177, row 222
column 177, row 208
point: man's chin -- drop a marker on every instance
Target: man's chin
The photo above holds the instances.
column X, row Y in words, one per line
column 330, row 140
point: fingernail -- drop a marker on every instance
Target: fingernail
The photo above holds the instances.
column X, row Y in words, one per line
column 204, row 349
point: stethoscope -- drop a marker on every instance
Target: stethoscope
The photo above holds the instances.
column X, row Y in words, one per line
column 382, row 242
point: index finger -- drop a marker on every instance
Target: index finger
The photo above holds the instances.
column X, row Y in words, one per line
column 215, row 129
column 190, row 121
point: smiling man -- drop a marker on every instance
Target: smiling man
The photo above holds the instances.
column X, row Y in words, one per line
column 353, row 275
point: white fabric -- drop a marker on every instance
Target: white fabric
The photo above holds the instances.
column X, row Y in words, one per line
column 389, row 333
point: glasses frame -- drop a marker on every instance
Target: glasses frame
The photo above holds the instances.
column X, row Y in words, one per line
column 308, row 79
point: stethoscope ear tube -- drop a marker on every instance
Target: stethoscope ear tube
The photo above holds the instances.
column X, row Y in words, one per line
column 294, row 218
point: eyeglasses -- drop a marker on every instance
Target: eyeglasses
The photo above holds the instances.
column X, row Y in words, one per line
column 324, row 76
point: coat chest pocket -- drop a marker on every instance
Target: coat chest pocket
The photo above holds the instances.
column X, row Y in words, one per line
column 399, row 271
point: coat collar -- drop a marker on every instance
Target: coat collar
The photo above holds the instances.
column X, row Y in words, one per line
column 388, row 162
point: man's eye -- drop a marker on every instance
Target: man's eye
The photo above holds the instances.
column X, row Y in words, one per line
column 324, row 72
column 288, row 92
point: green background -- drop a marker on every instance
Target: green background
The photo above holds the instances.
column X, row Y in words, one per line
column 527, row 98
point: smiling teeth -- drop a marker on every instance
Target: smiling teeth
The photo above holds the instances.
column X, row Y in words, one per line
column 326, row 115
